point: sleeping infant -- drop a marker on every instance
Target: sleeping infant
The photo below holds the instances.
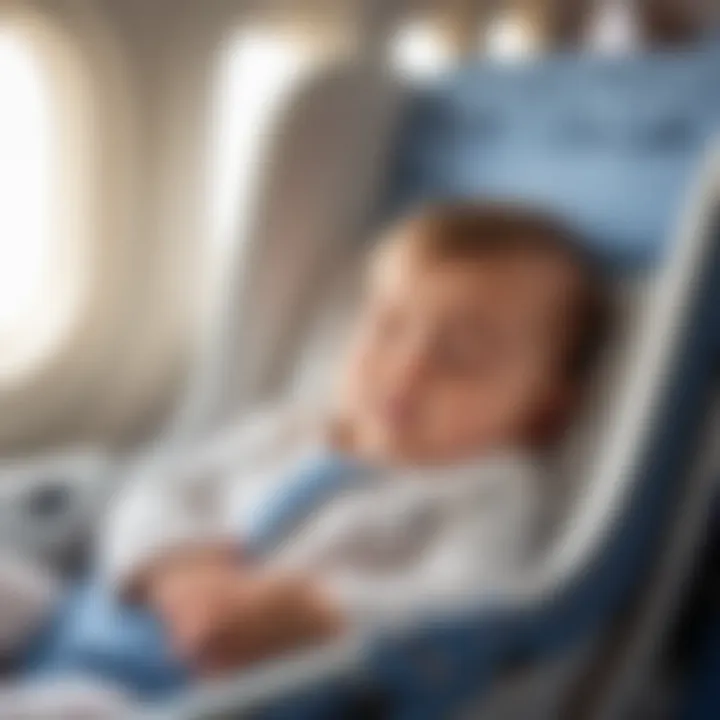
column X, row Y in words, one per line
column 416, row 491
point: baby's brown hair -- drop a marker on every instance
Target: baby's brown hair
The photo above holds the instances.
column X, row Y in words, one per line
column 478, row 230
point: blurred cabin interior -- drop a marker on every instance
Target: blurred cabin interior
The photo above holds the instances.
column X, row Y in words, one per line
column 133, row 137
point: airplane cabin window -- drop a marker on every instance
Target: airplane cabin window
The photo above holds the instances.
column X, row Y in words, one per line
column 258, row 70
column 39, row 277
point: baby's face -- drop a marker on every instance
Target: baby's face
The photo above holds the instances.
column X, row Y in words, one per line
column 452, row 359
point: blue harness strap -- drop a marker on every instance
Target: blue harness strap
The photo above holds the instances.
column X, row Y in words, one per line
column 317, row 478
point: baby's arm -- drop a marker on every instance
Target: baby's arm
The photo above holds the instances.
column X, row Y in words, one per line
column 475, row 551
column 152, row 526
column 175, row 510
column 221, row 617
column 277, row 613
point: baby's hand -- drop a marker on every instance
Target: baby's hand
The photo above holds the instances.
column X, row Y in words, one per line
column 196, row 601
column 272, row 613
column 176, row 564
column 220, row 616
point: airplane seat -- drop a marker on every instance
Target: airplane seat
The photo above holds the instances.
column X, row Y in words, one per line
column 317, row 183
column 613, row 146
column 621, row 148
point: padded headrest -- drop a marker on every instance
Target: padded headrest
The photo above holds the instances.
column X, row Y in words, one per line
column 610, row 144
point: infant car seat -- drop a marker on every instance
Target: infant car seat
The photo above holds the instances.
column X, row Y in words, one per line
column 621, row 148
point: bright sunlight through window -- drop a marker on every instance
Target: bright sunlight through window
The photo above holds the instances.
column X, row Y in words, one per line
column 25, row 160
column 35, row 256
column 256, row 75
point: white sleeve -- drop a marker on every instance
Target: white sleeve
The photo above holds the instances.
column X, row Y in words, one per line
column 474, row 559
column 176, row 503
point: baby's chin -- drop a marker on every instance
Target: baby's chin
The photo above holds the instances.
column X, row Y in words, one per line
column 386, row 446
column 377, row 444
column 378, row 441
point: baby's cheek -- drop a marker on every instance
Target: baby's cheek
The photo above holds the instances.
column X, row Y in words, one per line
column 455, row 422
column 479, row 418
